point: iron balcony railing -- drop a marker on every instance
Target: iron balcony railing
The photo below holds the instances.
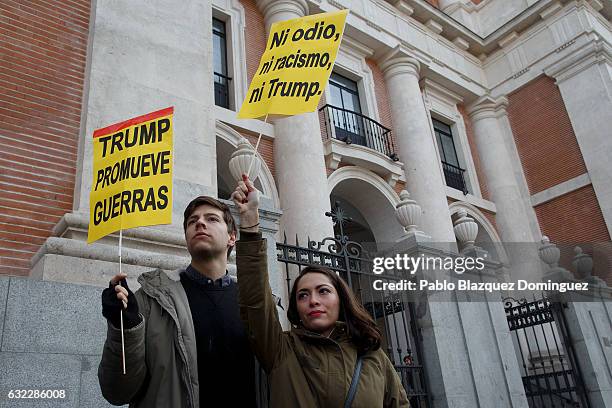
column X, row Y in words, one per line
column 454, row 177
column 353, row 127
column 222, row 90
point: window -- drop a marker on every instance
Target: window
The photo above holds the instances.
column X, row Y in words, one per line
column 220, row 64
column 453, row 173
column 346, row 110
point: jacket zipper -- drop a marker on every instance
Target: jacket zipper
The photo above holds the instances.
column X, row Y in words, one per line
column 156, row 294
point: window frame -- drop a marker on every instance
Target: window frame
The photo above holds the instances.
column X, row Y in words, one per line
column 442, row 104
column 232, row 13
column 438, row 134
column 222, row 35
column 449, row 134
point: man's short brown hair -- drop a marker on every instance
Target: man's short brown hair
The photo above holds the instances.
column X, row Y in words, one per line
column 213, row 202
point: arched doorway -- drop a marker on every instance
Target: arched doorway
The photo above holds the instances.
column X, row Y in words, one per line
column 369, row 201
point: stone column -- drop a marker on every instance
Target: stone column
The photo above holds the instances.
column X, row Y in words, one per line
column 412, row 128
column 298, row 154
column 454, row 331
column 135, row 69
column 515, row 218
column 586, row 87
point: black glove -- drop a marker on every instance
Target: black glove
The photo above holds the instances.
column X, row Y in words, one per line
column 111, row 307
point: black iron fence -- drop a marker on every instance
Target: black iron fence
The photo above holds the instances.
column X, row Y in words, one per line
column 222, row 90
column 353, row 127
column 393, row 312
column 551, row 375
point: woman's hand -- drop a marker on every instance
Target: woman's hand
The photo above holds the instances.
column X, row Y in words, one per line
column 246, row 198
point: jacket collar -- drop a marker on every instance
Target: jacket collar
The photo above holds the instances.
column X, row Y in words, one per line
column 338, row 335
column 197, row 277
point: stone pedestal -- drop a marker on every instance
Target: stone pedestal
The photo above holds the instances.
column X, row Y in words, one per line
column 587, row 316
column 589, row 322
column 456, row 328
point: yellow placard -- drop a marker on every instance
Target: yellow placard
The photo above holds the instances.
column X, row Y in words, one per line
column 132, row 174
column 296, row 65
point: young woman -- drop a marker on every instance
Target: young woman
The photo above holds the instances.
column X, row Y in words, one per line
column 313, row 364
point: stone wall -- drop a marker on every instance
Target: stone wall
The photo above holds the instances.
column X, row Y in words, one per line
column 51, row 339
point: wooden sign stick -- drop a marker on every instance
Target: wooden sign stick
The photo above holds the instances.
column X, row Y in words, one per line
column 256, row 147
column 121, row 314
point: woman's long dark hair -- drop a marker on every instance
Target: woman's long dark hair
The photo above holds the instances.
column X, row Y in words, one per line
column 361, row 327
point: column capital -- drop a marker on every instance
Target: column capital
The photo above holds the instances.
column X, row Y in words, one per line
column 398, row 61
column 487, row 107
column 278, row 10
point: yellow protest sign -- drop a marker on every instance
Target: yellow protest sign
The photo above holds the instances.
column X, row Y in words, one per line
column 295, row 66
column 132, row 174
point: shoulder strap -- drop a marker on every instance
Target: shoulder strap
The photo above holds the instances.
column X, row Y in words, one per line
column 354, row 382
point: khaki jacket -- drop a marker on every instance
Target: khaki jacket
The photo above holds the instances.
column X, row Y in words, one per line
column 305, row 369
column 160, row 353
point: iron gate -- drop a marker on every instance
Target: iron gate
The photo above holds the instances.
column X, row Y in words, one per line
column 393, row 312
column 551, row 375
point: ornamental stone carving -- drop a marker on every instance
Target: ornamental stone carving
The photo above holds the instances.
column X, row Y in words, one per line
column 241, row 159
column 582, row 263
column 549, row 253
column 408, row 212
column 466, row 229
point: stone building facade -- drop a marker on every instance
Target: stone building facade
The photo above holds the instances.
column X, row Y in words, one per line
column 499, row 109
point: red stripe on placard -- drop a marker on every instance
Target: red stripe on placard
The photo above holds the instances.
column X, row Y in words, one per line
column 134, row 121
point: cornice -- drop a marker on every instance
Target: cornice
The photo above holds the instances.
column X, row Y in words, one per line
column 597, row 51
column 357, row 48
column 438, row 89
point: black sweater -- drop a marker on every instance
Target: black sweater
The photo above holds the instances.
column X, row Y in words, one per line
column 226, row 369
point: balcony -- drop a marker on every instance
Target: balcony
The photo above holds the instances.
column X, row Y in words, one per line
column 454, row 177
column 222, row 90
column 352, row 127
column 353, row 138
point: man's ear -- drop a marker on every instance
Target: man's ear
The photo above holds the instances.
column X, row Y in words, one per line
column 232, row 239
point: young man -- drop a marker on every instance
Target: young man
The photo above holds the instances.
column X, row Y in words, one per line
column 185, row 345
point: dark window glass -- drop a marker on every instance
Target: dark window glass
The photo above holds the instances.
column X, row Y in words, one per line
column 347, row 120
column 446, row 146
column 453, row 173
column 220, row 64
column 219, row 47
column 344, row 93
